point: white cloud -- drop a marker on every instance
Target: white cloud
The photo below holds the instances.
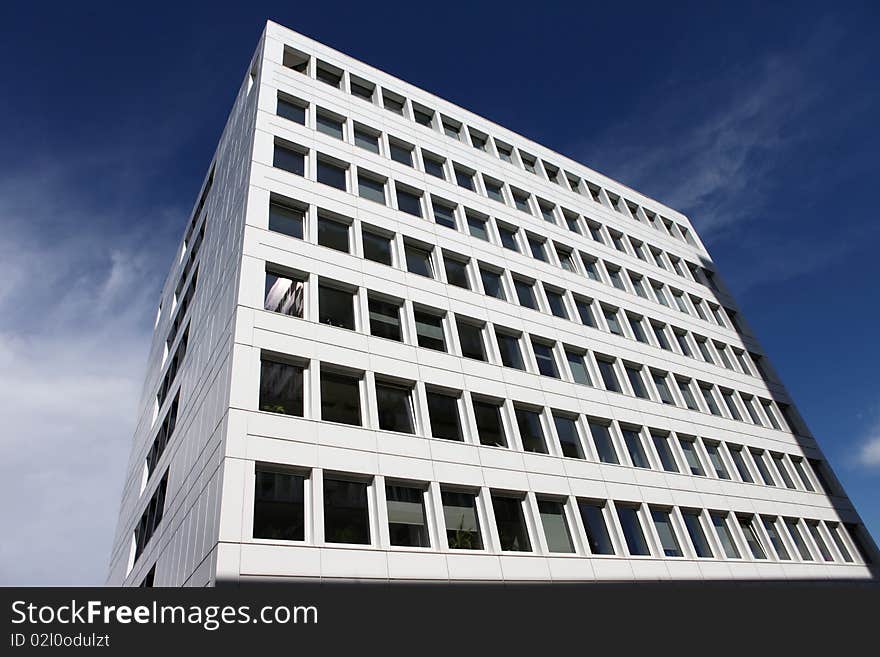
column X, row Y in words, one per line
column 869, row 453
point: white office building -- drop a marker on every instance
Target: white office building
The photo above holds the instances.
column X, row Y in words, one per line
column 401, row 342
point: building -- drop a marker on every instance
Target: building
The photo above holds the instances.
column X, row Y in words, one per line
column 402, row 342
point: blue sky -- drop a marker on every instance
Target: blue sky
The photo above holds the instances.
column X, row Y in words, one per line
column 759, row 122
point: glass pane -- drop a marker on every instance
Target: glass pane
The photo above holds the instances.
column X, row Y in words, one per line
column 511, row 524
column 595, row 527
column 771, row 527
column 566, row 429
column 525, row 293
column 281, row 388
column 795, row 533
column 284, row 295
column 434, row 167
column 632, row 530
column 779, row 461
column 291, row 111
column 635, row 449
column 340, row 398
column 283, row 219
column 377, row 248
column 489, row 426
column 555, row 526
column 279, row 505
column 395, row 408
column 289, row 160
column 328, row 125
column 666, row 532
column 508, row 238
column 462, row 521
column 813, row 528
column 406, row 516
column 834, row 530
column 578, row 368
column 691, row 457
column 444, row 215
column 471, row 339
column 609, row 378
column 346, row 515
column 370, row 189
column 456, row 273
column 752, row 539
column 366, row 140
column 724, row 536
column 443, row 413
column 492, row 284
column 333, row 234
column 409, row 203
column 335, row 307
column 508, row 346
column 401, row 154
column 586, row 313
column 604, row 444
column 715, row 459
column 557, row 304
column 739, row 461
column 545, row 360
column 418, row 261
column 530, row 431
column 667, row 459
column 695, row 531
column 635, row 380
column 429, row 329
column 331, row 174
column 477, row 227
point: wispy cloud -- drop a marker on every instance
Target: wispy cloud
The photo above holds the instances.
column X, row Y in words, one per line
column 868, row 455
column 76, row 299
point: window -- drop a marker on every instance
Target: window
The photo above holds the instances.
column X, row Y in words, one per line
column 635, row 324
column 706, row 391
column 703, row 346
column 511, row 524
column 508, row 347
column 464, row 179
column 616, row 278
column 530, row 430
column 695, row 531
column 456, row 271
column 333, row 234
column 451, row 128
column 492, row 284
column 462, row 520
column 444, row 215
column 443, row 413
column 279, row 505
column 283, row 294
column 408, row 201
column 578, row 367
column 418, row 260
column 730, row 402
column 666, row 532
column 834, row 530
column 763, row 469
column 659, row 294
column 681, row 339
column 434, row 165
column 536, row 247
column 328, row 74
column 544, row 358
column 340, row 398
column 505, row 152
column 556, row 302
column 770, row 413
column 332, row 174
column 689, row 448
column 525, row 293
column 494, row 189
column 632, row 530
column 796, row 536
column 801, row 469
column 752, row 409
column 779, row 462
column 573, row 223
column 663, row 390
column 508, row 237
column 361, row 88
column 634, row 374
column 281, row 388
column 291, row 109
column 429, row 330
column 423, row 115
column 528, row 161
column 371, row 188
column 477, row 226
column 566, row 258
column 490, row 429
column 385, row 319
column 722, row 353
column 395, row 406
column 585, row 311
column 346, row 513
column 591, row 268
column 330, row 125
column 293, row 161
column 521, row 201
column 407, row 525
column 401, row 152
column 667, row 459
column 335, row 307
column 679, row 301
column 684, row 386
column 725, row 537
column 813, row 528
column 470, row 336
column 772, row 528
column 286, row 219
column 634, row 447
column 569, row 439
column 377, row 247
column 604, row 444
column 547, row 212
column 660, row 334
column 739, row 462
column 556, row 532
column 617, row 241
column 609, row 377
column 593, row 516
column 753, row 539
column 715, row 458
column 366, row 139
column 296, row 60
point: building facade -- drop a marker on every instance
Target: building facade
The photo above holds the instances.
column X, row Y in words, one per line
column 401, row 342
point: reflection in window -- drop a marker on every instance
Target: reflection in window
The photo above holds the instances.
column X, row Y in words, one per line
column 555, row 526
column 281, row 388
column 511, row 524
column 406, row 516
column 283, row 294
column 462, row 520
column 395, row 407
column 279, row 505
column 346, row 514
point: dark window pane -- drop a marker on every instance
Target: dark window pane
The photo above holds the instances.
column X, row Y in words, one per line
column 696, row 533
column 666, row 532
column 281, row 388
column 444, row 215
column 331, row 174
column 289, row 160
column 346, row 514
column 291, row 111
column 739, row 461
column 366, row 140
column 434, row 167
column 508, row 346
column 578, row 368
column 492, row 283
column 632, row 530
column 530, row 431
column 635, row 448
column 667, row 460
column 508, row 238
column 371, row 189
column 377, row 247
column 283, row 219
column 335, row 307
column 329, row 125
column 471, row 339
column 385, row 319
column 406, row 516
column 604, row 443
column 456, row 272
column 691, row 457
column 395, row 408
column 283, row 295
column 443, row 412
column 409, row 203
column 333, row 234
column 557, row 304
column 569, row 440
column 545, row 360
column 418, row 261
column 511, row 524
column 635, row 380
column 401, row 154
column 752, row 538
column 585, row 313
column 462, row 521
column 525, row 293
column 715, row 459
column 429, row 329
column 596, row 528
column 464, row 179
column 772, row 528
column 477, row 227
column 340, row 398
column 719, row 520
column 279, row 505
column 609, row 378
column 489, row 426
